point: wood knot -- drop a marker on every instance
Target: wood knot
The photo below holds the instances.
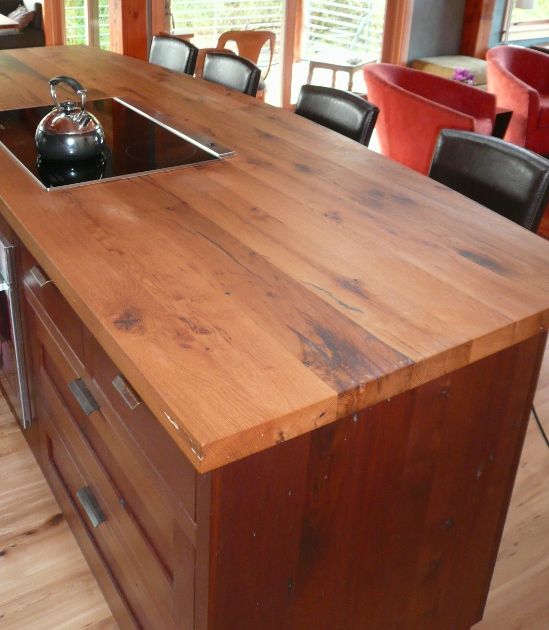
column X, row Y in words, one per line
column 128, row 320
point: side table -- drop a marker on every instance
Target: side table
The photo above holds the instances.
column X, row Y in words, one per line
column 348, row 65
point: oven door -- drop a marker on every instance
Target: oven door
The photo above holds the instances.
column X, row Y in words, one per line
column 13, row 376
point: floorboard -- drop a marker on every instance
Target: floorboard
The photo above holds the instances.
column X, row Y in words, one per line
column 45, row 581
column 46, row 584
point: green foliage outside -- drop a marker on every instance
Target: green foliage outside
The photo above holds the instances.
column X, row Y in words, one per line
column 331, row 26
column 539, row 12
column 75, row 22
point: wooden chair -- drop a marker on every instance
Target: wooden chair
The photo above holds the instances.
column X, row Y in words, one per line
column 349, row 114
column 232, row 71
column 249, row 44
column 503, row 177
column 173, row 53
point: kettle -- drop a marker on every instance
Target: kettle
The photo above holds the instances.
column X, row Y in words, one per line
column 55, row 173
column 69, row 132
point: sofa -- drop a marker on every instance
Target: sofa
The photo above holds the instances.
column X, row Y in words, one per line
column 519, row 78
column 447, row 65
column 32, row 35
column 414, row 107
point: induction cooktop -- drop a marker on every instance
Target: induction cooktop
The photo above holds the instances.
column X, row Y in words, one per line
column 137, row 144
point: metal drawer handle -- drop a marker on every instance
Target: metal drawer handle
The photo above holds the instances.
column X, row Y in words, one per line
column 90, row 506
column 83, row 397
column 4, row 284
column 39, row 276
column 126, row 391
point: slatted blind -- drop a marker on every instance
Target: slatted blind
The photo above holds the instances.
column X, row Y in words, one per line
column 207, row 19
column 78, row 28
column 344, row 28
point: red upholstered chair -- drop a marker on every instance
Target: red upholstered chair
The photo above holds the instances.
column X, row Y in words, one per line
column 414, row 107
column 519, row 77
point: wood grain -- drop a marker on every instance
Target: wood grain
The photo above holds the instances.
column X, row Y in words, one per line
column 517, row 597
column 477, row 26
column 253, row 300
column 128, row 27
column 518, row 594
column 46, row 582
column 396, row 31
column 390, row 518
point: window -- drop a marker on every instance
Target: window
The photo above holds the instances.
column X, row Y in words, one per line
column 87, row 22
column 526, row 19
column 353, row 28
column 207, row 19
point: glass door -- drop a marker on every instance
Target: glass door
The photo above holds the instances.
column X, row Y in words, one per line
column 87, row 22
column 337, row 36
column 206, row 20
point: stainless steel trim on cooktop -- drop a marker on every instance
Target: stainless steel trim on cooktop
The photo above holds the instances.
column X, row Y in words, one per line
column 200, row 141
column 216, row 150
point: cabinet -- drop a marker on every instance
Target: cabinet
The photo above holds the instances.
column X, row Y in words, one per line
column 391, row 516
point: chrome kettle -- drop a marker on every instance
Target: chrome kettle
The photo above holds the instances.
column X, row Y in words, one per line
column 69, row 132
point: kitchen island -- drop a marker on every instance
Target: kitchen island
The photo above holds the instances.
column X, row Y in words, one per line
column 287, row 389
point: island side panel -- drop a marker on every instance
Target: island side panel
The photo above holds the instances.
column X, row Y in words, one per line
column 391, row 517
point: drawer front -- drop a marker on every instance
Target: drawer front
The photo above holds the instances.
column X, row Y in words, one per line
column 177, row 473
column 141, row 516
column 139, row 574
column 62, row 474
column 176, row 470
column 129, row 470
column 58, row 310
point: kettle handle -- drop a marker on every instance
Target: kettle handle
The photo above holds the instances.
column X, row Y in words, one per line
column 73, row 83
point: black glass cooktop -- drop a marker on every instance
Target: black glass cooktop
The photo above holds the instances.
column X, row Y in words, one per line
column 136, row 143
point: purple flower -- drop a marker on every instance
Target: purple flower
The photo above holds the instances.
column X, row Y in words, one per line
column 463, row 76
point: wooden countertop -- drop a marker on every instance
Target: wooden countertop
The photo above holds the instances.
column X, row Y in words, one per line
column 252, row 300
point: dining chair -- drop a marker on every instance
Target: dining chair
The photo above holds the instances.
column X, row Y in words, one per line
column 249, row 44
column 202, row 57
column 504, row 177
column 232, row 71
column 349, row 114
column 173, row 53
column 415, row 106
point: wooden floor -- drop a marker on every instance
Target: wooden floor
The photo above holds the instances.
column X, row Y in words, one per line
column 45, row 583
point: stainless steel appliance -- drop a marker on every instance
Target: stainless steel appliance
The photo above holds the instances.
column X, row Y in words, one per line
column 69, row 131
column 13, row 376
column 136, row 143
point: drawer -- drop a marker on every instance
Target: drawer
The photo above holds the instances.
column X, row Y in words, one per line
column 133, row 563
column 61, row 473
column 175, row 469
column 57, row 309
column 131, row 418
column 127, row 467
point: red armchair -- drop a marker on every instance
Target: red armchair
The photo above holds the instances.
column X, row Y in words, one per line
column 519, row 77
column 414, row 106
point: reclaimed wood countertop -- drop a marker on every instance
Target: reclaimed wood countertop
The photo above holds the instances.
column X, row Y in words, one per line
column 252, row 300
